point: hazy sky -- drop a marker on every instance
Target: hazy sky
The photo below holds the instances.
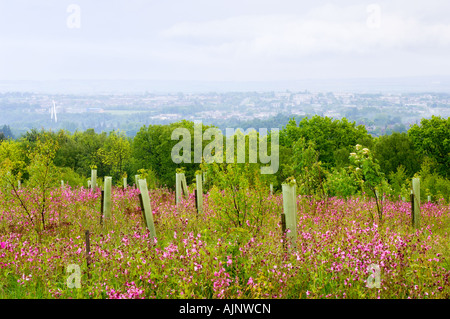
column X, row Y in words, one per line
column 222, row 40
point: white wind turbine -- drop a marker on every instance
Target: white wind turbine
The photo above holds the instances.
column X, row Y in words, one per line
column 53, row 112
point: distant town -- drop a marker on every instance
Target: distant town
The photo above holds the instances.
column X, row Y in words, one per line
column 381, row 113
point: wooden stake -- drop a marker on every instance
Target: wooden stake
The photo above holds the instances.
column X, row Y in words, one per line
column 196, row 203
column 141, row 203
column 283, row 229
column 88, row 251
column 283, row 223
column 102, row 199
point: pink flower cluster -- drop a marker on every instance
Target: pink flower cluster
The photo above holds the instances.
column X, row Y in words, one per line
column 132, row 292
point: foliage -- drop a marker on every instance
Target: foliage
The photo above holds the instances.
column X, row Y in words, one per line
column 290, row 181
column 313, row 149
column 69, row 176
column 432, row 139
column 80, row 151
column 43, row 175
column 238, row 195
column 150, row 176
column 333, row 138
column 286, row 164
column 369, row 173
column 432, row 183
column 342, row 182
column 152, row 147
column 308, row 170
column 395, row 150
column 115, row 153
column 5, row 133
column 13, row 157
column 399, row 182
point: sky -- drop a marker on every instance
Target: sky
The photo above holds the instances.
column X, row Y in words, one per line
column 209, row 40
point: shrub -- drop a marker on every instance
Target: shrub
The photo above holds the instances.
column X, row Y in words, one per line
column 342, row 183
column 431, row 183
column 69, row 176
column 238, row 196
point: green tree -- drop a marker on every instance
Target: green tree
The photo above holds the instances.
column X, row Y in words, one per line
column 399, row 181
column 13, row 156
column 432, row 139
column 5, row 131
column 43, row 175
column 308, row 170
column 68, row 152
column 238, row 195
column 369, row 172
column 238, row 191
column 341, row 182
column 431, row 183
column 115, row 154
column 80, row 150
column 395, row 150
column 152, row 147
column 334, row 139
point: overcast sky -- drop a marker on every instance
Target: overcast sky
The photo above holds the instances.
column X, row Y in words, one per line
column 232, row 40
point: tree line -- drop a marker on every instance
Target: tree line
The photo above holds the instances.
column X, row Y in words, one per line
column 321, row 153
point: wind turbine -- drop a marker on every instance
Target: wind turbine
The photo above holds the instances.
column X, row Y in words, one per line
column 53, row 112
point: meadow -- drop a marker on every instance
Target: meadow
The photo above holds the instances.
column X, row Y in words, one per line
column 191, row 257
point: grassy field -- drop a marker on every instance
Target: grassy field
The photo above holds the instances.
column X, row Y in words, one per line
column 337, row 241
